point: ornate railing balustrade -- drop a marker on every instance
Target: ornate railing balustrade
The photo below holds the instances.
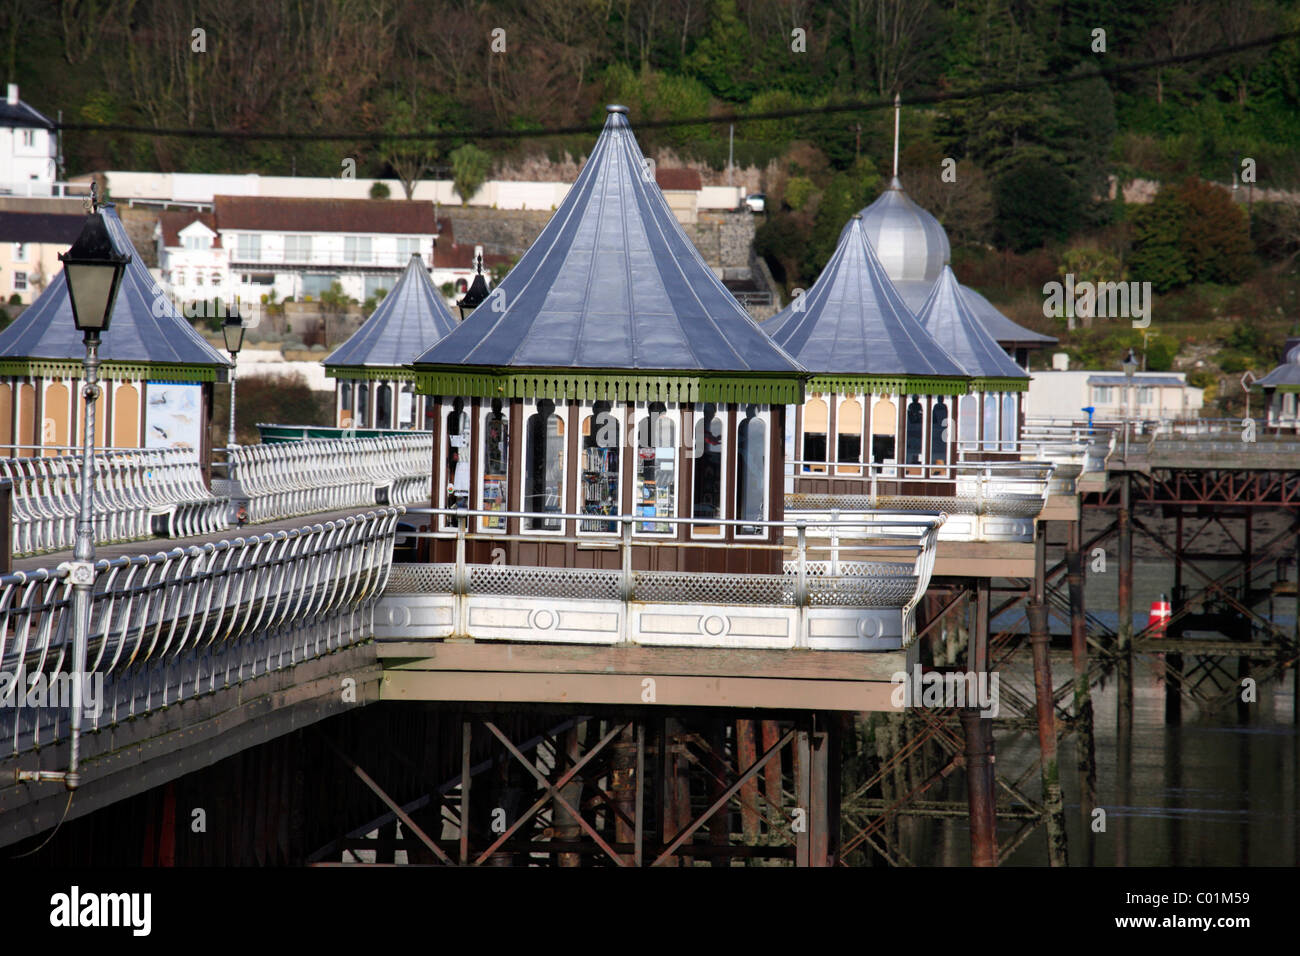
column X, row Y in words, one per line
column 846, row 584
column 171, row 626
column 133, row 487
column 983, row 500
column 297, row 478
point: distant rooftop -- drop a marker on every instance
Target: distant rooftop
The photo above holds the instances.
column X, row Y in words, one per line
column 14, row 113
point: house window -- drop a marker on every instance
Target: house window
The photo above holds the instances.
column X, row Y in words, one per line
column 1145, row 396
column 544, row 467
column 297, row 248
column 710, row 426
column 356, row 248
column 29, row 137
column 1101, row 395
column 407, row 246
column 198, row 242
column 250, row 247
column 496, row 459
column 20, row 281
column 600, row 467
column 815, row 423
column 198, row 278
column 751, row 471
column 655, row 491
column 178, row 277
column 20, row 252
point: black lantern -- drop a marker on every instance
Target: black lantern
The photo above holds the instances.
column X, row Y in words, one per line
column 233, row 330
column 476, row 293
column 93, row 269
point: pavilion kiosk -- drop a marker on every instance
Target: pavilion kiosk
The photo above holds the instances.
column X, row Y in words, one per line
column 373, row 386
column 1281, row 388
column 610, row 374
column 988, row 419
column 882, row 390
column 157, row 371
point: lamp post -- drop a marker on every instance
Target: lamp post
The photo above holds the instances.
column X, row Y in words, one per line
column 233, row 331
column 1130, row 365
column 93, row 269
column 476, row 293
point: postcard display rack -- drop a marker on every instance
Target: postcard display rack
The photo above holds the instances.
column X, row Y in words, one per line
column 599, row 485
column 656, row 487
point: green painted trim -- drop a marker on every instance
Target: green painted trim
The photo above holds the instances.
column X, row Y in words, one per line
column 147, row 371
column 1256, row 387
column 371, row 373
column 895, row 384
column 616, row 386
column 1001, row 384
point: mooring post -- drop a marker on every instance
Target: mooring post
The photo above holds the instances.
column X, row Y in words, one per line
column 1053, row 805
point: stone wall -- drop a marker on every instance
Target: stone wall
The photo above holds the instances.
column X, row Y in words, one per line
column 724, row 239
column 504, row 232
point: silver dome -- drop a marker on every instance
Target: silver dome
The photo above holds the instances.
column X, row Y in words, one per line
column 910, row 243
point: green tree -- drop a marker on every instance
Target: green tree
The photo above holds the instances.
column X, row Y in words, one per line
column 721, row 59
column 469, row 170
column 1192, row 232
column 1035, row 202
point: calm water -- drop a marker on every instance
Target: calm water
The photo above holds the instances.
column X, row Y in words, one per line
column 1211, row 791
column 1206, row 792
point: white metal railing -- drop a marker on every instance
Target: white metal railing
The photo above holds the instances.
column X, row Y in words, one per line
column 174, row 625
column 131, row 487
column 286, row 479
column 966, row 487
column 882, row 559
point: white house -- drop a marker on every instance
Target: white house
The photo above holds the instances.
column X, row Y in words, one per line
column 1064, row 393
column 28, row 148
column 247, row 248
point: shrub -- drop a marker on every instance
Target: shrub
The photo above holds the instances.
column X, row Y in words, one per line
column 379, row 190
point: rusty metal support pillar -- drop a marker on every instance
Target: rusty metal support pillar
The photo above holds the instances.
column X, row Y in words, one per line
column 979, row 793
column 1085, row 745
column 803, row 797
column 566, row 827
column 824, row 780
column 623, row 787
column 1039, row 639
column 772, row 786
column 466, row 738
column 1174, row 662
column 1124, row 631
column 746, row 755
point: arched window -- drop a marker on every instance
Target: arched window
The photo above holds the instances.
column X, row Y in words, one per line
column 990, row 422
column 1010, row 421
column 815, row 425
column 345, row 404
column 655, row 490
column 362, row 417
column 707, row 450
column 384, row 406
column 939, row 432
column 884, row 426
column 406, row 406
column 600, row 467
column 496, row 460
column 915, row 427
column 456, row 458
column 544, row 467
column 751, row 471
column 848, row 432
column 968, row 423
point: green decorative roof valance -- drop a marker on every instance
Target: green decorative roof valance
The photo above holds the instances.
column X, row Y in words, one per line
column 146, row 371
column 895, row 384
column 615, row 386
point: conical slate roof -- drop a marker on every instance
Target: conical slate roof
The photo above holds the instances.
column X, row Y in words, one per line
column 411, row 318
column 612, row 283
column 145, row 328
column 1286, row 377
column 1004, row 331
column 853, row 322
column 950, row 320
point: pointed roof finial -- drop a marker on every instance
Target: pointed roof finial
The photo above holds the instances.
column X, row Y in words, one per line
column 898, row 105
